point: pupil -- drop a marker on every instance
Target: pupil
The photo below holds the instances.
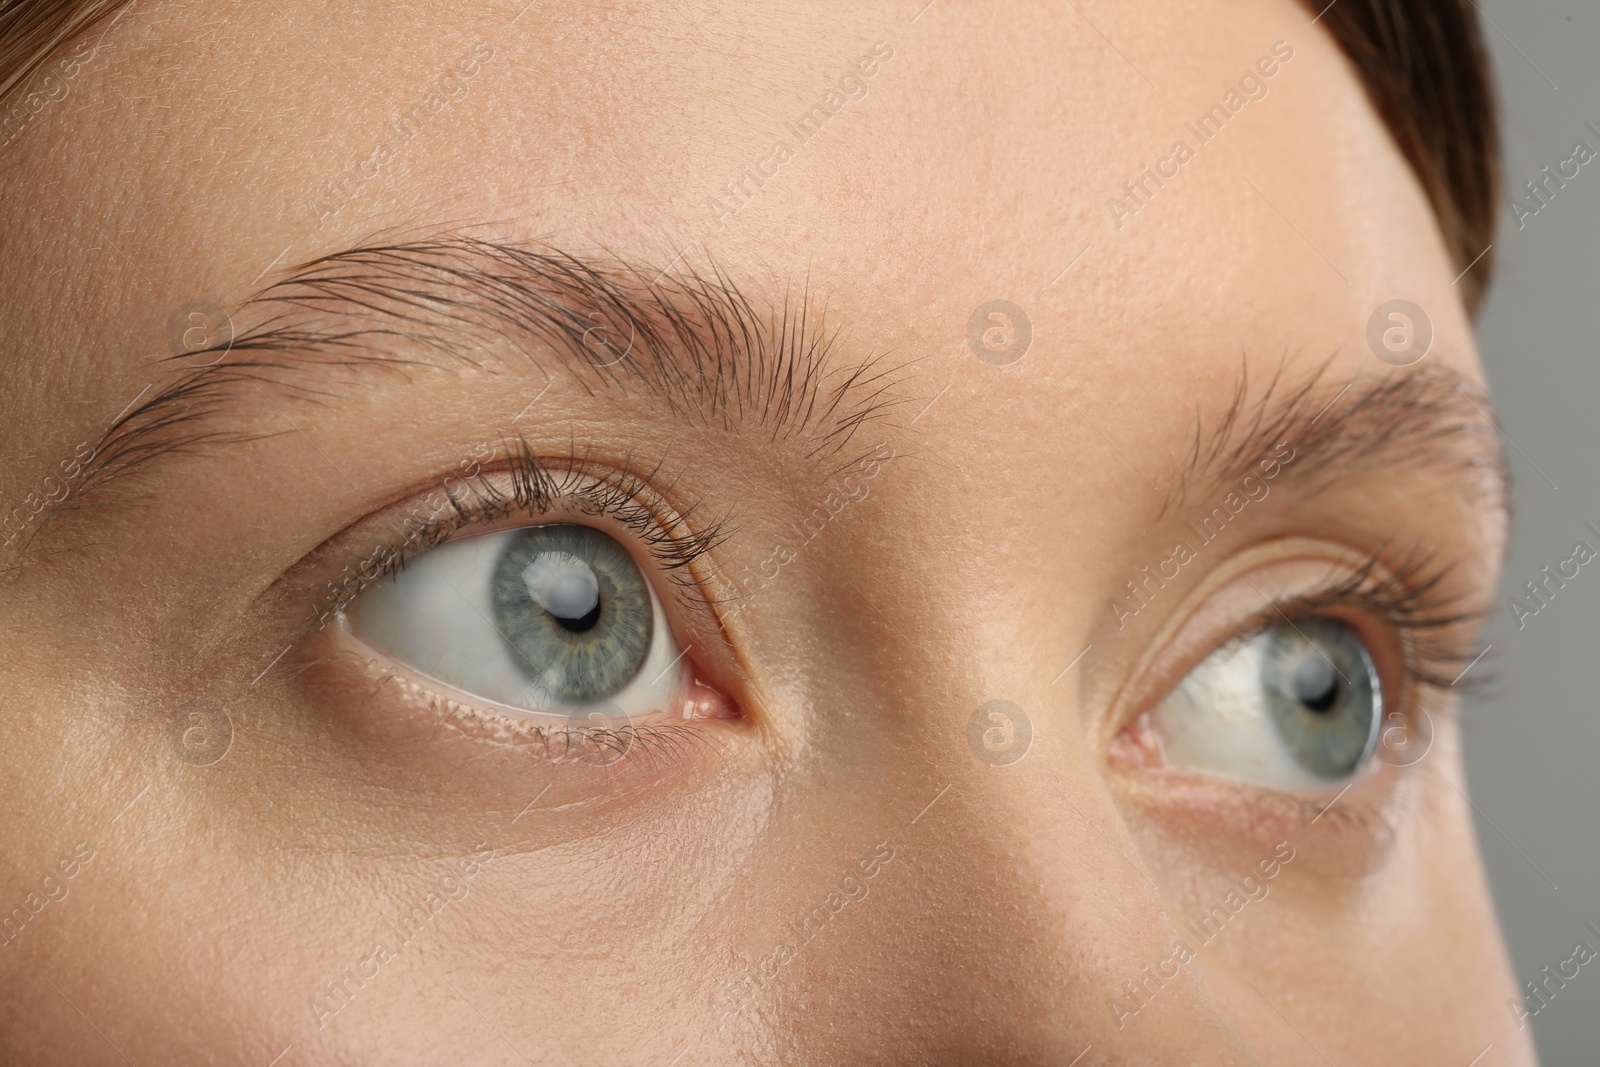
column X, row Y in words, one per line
column 565, row 587
column 1316, row 683
column 581, row 623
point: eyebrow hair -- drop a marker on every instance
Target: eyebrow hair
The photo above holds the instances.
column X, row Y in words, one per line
column 1427, row 417
column 696, row 342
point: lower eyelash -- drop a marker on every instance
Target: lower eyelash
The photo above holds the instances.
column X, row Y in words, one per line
column 539, row 490
column 1340, row 815
column 556, row 742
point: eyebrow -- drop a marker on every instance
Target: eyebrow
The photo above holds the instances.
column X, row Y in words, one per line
column 702, row 347
column 1427, row 418
column 695, row 341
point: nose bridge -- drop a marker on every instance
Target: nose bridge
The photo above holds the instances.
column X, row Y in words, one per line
column 1030, row 906
column 1015, row 914
column 1009, row 918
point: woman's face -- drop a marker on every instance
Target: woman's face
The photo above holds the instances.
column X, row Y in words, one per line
column 699, row 535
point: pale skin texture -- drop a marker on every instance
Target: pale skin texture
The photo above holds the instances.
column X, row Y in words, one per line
column 622, row 900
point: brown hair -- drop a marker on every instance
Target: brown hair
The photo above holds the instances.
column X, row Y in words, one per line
column 1427, row 73
column 31, row 30
column 1423, row 64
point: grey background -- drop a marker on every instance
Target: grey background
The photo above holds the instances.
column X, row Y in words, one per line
column 1533, row 744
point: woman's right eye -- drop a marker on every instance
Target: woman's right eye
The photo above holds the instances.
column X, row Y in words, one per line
column 555, row 619
column 1297, row 705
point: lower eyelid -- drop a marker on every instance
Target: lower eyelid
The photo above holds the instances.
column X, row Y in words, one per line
column 1201, row 805
column 411, row 709
column 369, row 730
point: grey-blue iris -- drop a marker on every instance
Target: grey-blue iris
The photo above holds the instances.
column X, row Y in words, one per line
column 575, row 610
column 1323, row 693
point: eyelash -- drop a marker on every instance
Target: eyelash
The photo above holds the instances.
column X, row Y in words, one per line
column 1427, row 620
column 601, row 746
column 539, row 489
column 1431, row 626
column 1412, row 601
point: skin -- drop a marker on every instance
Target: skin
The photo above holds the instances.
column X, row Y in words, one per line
column 615, row 906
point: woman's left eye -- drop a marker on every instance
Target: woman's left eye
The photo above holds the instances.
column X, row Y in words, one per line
column 554, row 619
column 1296, row 705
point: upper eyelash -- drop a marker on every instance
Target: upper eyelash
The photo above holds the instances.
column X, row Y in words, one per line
column 536, row 489
column 1411, row 598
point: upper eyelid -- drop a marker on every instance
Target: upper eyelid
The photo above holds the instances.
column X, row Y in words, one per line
column 1407, row 591
column 1401, row 600
column 537, row 488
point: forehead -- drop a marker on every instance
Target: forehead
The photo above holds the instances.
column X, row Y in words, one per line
column 1163, row 188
